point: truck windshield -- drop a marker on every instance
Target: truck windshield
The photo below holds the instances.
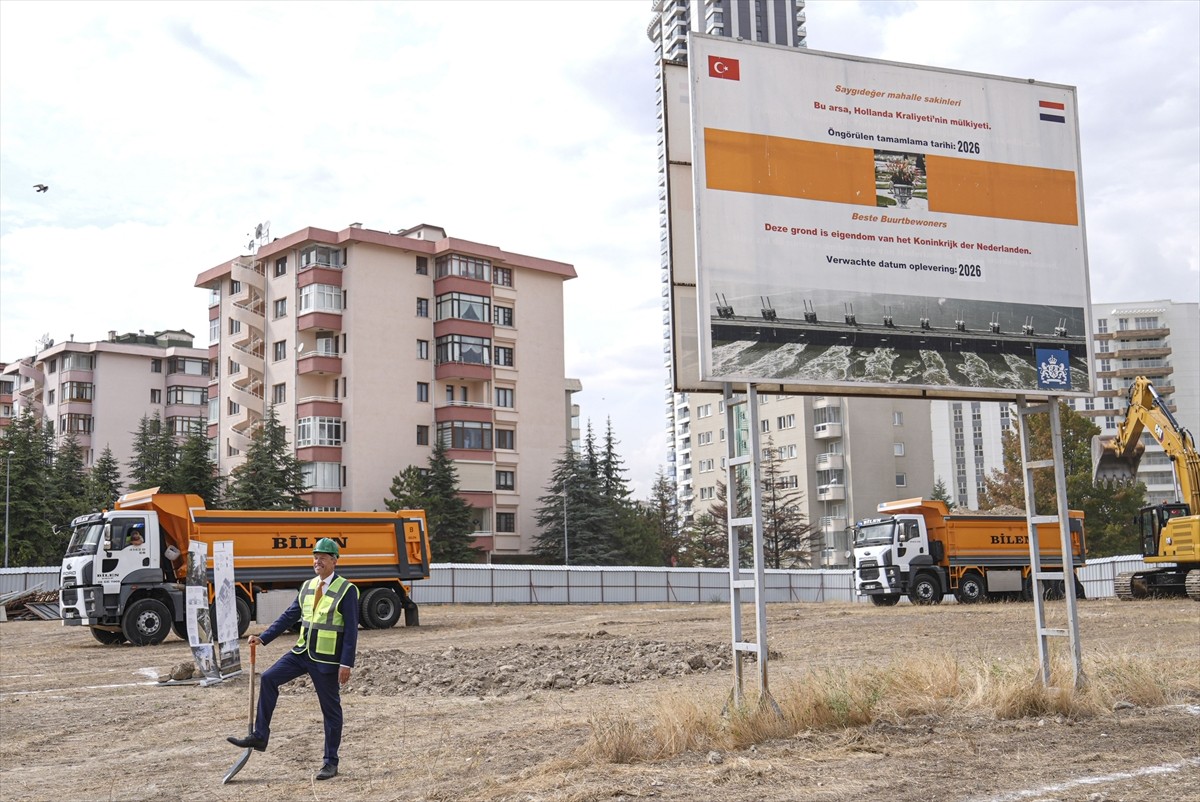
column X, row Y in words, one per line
column 86, row 538
column 874, row 534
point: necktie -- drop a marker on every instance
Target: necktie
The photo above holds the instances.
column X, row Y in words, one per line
column 317, row 601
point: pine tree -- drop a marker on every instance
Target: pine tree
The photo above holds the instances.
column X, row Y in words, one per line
column 451, row 520
column 27, row 476
column 103, row 482
column 941, row 493
column 154, row 453
column 611, row 469
column 409, row 490
column 789, row 540
column 195, row 472
column 574, row 503
column 705, row 543
column 664, row 513
column 67, row 491
column 271, row 478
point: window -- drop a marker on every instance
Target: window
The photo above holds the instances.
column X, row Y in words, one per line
column 321, row 475
column 235, row 286
column 422, row 307
column 502, row 276
column 504, row 356
column 53, row 365
column 187, row 395
column 704, row 439
column 422, row 266
column 318, row 431
column 463, row 306
column 320, row 298
column 319, row 256
column 234, row 407
column 503, row 316
column 764, row 426
column 898, row 449
column 214, row 334
column 76, row 391
column 279, row 308
column 706, row 493
column 704, row 465
column 78, row 362
column 49, row 396
column 506, row 522
column 465, row 434
column 901, row 480
column 234, row 367
column 281, row 266
column 279, row 393
column 80, row 424
column 504, row 397
column 787, row 452
column 184, row 426
column 279, row 350
column 897, row 418
column 506, row 439
column 189, row 365
column 468, row 267
column 704, row 410
column 235, row 326
column 422, row 435
column 422, row 349
column 506, row 480
column 423, row 391
column 155, row 397
column 461, row 348
column 156, row 366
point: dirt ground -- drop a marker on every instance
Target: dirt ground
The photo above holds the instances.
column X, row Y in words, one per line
column 495, row 703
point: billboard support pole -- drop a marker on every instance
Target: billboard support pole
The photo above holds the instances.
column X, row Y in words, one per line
column 1053, row 584
column 743, row 454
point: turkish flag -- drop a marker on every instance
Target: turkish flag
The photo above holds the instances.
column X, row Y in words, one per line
column 727, row 68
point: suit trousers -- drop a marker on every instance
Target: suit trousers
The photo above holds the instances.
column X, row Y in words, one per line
column 325, row 681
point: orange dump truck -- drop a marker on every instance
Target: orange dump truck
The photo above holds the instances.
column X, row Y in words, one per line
column 125, row 590
column 919, row 550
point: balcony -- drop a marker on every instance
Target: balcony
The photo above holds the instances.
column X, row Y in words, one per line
column 831, row 524
column 463, row 370
column 1151, row 372
column 830, row 462
column 831, row 493
column 1132, row 334
column 827, row 402
column 1157, row 352
column 319, row 364
column 827, row 431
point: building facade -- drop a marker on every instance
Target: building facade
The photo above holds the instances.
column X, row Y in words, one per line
column 100, row 391
column 370, row 345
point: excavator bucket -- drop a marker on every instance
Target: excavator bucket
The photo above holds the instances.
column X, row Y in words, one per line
column 1109, row 464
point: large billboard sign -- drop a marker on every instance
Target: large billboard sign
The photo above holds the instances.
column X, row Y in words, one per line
column 867, row 227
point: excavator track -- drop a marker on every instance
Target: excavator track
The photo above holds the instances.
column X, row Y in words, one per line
column 1192, row 584
column 1123, row 585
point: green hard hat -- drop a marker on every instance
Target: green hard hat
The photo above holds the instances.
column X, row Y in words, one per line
column 326, row 545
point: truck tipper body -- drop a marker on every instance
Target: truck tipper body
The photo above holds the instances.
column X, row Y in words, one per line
column 129, row 592
column 919, row 550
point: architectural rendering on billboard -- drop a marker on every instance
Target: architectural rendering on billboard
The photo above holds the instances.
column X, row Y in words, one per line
column 873, row 227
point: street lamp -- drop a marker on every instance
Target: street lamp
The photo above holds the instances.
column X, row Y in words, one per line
column 7, row 474
column 566, row 551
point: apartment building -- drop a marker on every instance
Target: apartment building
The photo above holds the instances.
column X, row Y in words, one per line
column 1161, row 341
column 371, row 344
column 100, row 391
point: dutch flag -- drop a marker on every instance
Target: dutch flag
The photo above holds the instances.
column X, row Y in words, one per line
column 1052, row 112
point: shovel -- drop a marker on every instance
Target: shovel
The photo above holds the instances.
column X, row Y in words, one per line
column 241, row 761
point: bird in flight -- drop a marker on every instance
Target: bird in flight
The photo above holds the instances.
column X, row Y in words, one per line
column 41, row 187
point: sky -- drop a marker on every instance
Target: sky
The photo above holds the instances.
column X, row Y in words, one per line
column 167, row 131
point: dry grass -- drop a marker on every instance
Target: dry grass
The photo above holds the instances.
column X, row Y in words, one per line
column 826, row 700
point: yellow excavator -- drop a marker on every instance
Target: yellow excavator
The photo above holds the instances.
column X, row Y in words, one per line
column 1170, row 531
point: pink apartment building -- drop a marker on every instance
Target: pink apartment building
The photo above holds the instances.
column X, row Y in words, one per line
column 372, row 344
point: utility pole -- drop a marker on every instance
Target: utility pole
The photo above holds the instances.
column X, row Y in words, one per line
column 7, row 484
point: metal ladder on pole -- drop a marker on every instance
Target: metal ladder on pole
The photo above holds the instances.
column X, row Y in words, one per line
column 742, row 451
column 1042, row 580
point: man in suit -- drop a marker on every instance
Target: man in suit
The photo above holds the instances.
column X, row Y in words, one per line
column 327, row 612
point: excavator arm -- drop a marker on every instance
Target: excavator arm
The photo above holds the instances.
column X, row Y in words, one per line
column 1117, row 457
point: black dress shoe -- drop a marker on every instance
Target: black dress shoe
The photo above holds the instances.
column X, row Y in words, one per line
column 249, row 742
column 327, row 772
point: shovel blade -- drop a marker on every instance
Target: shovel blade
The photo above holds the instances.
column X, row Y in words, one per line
column 241, row 761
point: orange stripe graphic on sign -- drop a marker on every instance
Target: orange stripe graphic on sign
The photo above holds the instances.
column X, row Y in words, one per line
column 795, row 168
column 1007, row 191
column 790, row 168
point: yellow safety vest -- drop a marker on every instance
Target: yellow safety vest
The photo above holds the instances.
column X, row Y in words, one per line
column 325, row 621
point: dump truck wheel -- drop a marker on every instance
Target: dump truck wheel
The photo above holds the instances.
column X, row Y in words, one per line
column 886, row 599
column 180, row 629
column 925, row 589
column 971, row 589
column 243, row 615
column 381, row 608
column 107, row 637
column 146, row 622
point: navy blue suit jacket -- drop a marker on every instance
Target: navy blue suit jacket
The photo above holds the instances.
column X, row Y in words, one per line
column 347, row 606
